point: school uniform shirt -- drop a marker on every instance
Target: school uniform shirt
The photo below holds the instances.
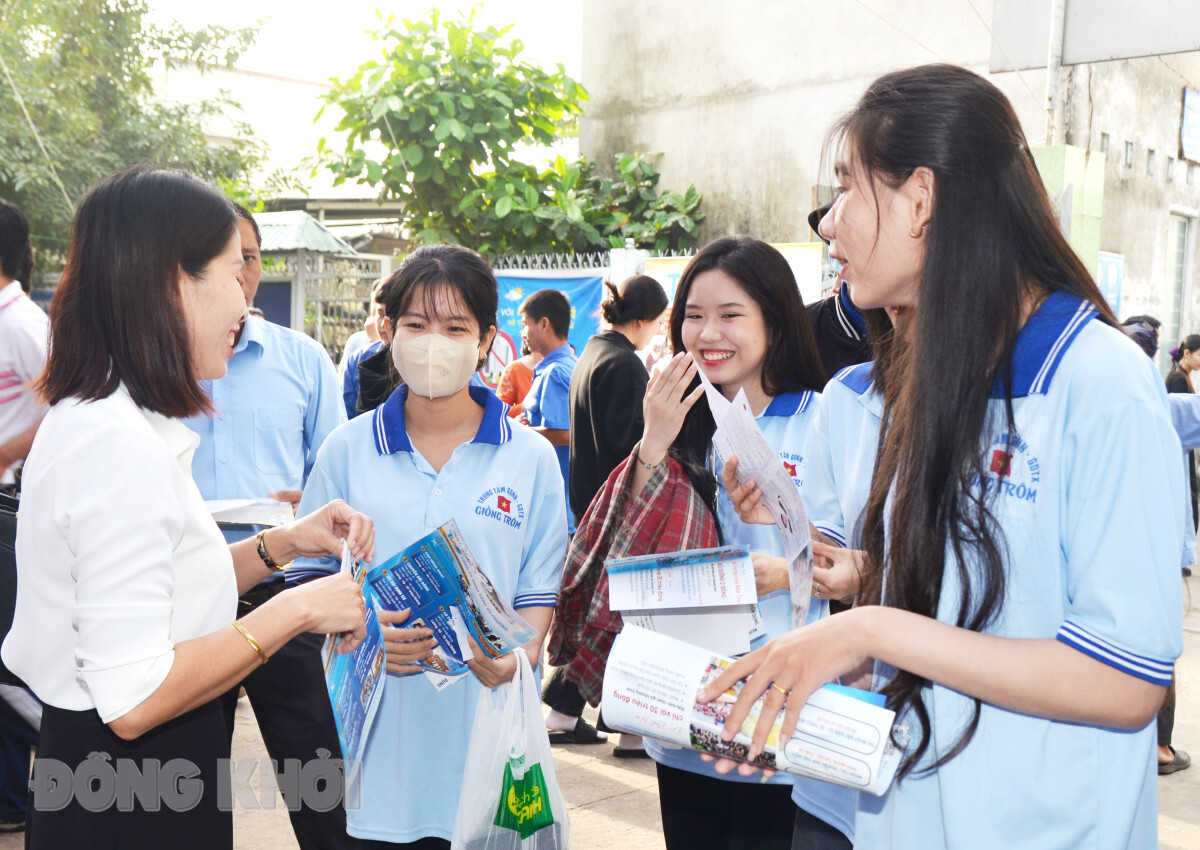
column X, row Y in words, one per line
column 1088, row 492
column 1185, row 417
column 275, row 406
column 350, row 379
column 24, row 330
column 548, row 405
column 841, row 454
column 785, row 424
column 837, row 483
column 117, row 558
column 506, row 494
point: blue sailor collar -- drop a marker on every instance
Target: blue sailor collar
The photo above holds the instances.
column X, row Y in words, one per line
column 1043, row 341
column 788, row 404
column 858, row 377
column 391, row 436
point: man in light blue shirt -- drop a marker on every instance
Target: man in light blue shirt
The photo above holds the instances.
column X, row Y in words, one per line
column 273, row 410
column 545, row 323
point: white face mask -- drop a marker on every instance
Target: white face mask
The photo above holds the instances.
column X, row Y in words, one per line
column 434, row 366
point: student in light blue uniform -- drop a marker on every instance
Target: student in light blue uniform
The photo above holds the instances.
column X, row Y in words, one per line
column 738, row 315
column 1022, row 581
column 438, row 450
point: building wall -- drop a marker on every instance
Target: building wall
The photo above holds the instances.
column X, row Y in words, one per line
column 738, row 98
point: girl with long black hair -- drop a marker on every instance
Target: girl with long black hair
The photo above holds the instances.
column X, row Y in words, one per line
column 737, row 315
column 1022, row 592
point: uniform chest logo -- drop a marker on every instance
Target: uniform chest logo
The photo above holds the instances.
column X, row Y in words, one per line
column 1013, row 473
column 502, row 505
column 793, row 465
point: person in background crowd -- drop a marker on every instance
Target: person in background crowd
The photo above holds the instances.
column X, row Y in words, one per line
column 607, row 389
column 362, row 338
column 991, row 614
column 738, row 315
column 375, row 343
column 434, row 451
column 1185, row 359
column 840, row 326
column 24, row 330
column 516, row 379
column 545, row 323
column 126, row 588
column 274, row 407
column 1144, row 331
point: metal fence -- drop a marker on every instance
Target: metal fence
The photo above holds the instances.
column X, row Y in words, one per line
column 331, row 293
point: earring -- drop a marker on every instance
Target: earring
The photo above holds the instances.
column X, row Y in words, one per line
column 919, row 233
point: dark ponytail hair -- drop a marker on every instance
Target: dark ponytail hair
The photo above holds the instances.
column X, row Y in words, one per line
column 792, row 362
column 993, row 247
column 1189, row 343
column 640, row 298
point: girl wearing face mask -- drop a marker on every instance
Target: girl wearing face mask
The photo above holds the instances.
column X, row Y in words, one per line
column 738, row 316
column 440, row 449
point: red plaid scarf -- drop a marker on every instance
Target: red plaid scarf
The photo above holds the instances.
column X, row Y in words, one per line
column 667, row 516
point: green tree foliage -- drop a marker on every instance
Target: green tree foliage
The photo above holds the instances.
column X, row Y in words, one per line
column 439, row 121
column 82, row 69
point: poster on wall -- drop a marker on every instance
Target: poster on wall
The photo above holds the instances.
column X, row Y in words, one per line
column 1110, row 274
column 583, row 289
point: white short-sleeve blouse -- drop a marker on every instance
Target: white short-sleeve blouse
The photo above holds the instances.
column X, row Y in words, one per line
column 117, row 558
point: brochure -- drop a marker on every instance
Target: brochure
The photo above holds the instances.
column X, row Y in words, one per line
column 701, row 596
column 738, row 434
column 355, row 680
column 249, row 513
column 440, row 580
column 843, row 735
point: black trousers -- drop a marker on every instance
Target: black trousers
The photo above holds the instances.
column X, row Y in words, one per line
column 562, row 695
column 69, row 800
column 700, row 811
column 1166, row 717
column 296, row 720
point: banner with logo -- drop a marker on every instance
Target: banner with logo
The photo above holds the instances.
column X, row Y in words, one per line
column 584, row 289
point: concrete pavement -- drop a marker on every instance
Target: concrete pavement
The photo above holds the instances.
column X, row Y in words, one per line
column 614, row 802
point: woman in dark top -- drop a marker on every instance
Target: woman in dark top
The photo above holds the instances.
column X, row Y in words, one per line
column 606, row 422
column 608, row 385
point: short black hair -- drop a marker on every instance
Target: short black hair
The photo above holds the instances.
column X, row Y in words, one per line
column 549, row 304
column 1146, row 320
column 117, row 315
column 244, row 215
column 16, row 251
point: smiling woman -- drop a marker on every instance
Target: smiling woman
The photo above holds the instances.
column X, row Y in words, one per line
column 126, row 587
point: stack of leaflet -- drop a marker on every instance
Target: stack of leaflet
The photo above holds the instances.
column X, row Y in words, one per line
column 702, row 596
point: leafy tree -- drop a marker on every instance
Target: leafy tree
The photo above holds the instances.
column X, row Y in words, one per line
column 440, row 121
column 81, row 68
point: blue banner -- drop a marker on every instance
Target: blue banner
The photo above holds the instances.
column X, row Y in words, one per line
column 584, row 291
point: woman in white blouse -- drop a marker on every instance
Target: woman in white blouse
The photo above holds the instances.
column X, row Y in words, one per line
column 127, row 592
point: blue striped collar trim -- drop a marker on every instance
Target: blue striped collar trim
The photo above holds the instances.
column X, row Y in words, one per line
column 536, row 600
column 1149, row 669
column 857, row 377
column 788, row 404
column 833, row 533
column 1043, row 341
column 391, row 436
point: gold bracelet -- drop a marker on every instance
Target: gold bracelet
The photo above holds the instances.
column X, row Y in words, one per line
column 250, row 640
column 261, row 544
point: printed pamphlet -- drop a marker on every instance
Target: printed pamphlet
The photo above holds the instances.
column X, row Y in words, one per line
column 249, row 513
column 701, row 596
column 738, row 434
column 440, row 580
column 355, row 680
column 844, row 735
